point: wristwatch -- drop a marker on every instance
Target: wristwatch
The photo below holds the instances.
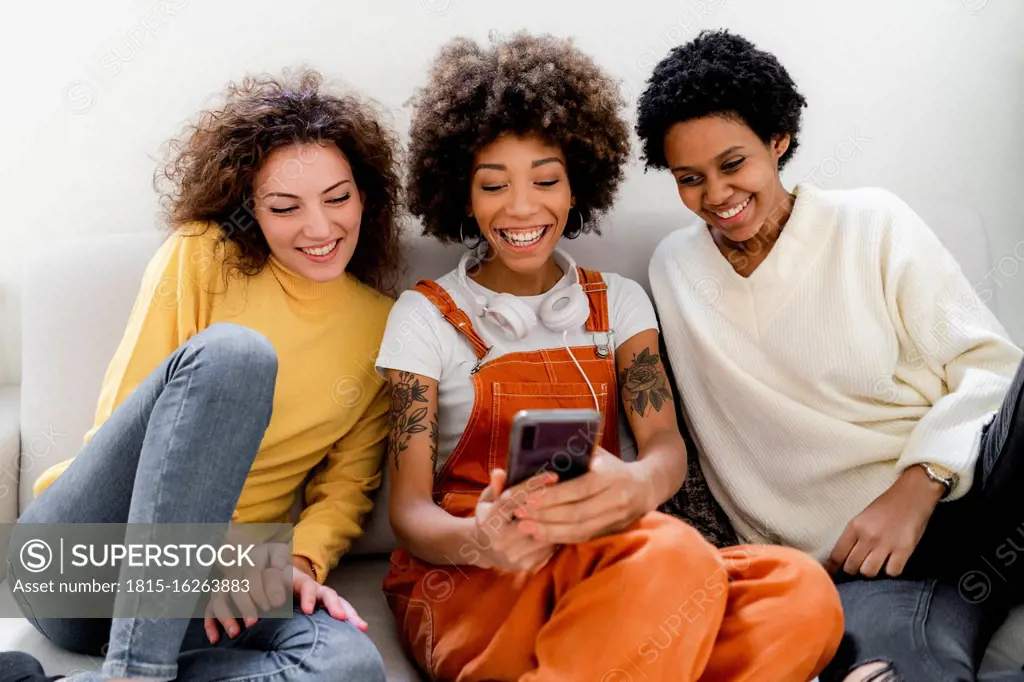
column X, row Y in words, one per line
column 941, row 474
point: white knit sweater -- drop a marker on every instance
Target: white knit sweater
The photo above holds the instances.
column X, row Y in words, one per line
column 856, row 349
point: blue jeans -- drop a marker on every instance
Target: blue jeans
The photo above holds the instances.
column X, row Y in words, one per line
column 933, row 623
column 178, row 450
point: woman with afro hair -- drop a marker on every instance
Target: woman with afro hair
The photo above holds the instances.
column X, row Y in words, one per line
column 502, row 576
column 848, row 391
column 222, row 402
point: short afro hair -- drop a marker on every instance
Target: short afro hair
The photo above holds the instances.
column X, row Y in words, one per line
column 718, row 74
column 523, row 85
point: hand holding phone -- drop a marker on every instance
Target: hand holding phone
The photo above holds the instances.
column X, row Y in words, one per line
column 497, row 542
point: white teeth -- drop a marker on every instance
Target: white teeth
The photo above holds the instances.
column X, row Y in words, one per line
column 321, row 250
column 523, row 237
column 733, row 211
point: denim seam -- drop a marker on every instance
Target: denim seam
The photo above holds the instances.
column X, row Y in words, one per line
column 921, row 630
column 270, row 673
column 133, row 632
column 121, row 669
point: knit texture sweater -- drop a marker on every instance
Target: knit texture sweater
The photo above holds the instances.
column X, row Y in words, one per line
column 856, row 349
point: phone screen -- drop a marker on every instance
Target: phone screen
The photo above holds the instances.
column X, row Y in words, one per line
column 564, row 447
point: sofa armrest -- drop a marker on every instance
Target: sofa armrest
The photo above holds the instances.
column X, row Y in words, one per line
column 10, row 463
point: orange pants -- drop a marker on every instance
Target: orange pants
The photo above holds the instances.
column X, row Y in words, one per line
column 654, row 603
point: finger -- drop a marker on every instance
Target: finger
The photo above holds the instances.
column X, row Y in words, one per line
column 842, row 550
column 222, row 613
column 342, row 610
column 279, row 555
column 857, row 556
column 573, row 511
column 246, row 608
column 897, row 562
column 333, row 603
column 494, row 488
column 307, row 595
column 275, row 585
column 354, row 616
column 569, row 492
column 257, row 591
column 533, row 487
column 230, row 626
column 874, row 562
column 588, row 522
column 212, row 633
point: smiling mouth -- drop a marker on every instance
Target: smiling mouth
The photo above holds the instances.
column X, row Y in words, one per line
column 524, row 237
column 321, row 250
column 732, row 212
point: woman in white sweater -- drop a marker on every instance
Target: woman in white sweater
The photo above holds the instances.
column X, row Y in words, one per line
column 848, row 390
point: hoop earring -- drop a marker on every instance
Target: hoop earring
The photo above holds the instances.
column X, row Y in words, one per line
column 462, row 237
column 579, row 230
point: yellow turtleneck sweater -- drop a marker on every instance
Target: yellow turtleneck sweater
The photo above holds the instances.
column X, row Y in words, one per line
column 330, row 406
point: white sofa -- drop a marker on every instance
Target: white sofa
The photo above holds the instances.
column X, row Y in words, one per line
column 77, row 296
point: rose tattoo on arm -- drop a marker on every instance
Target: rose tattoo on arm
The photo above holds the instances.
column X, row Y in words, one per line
column 644, row 383
column 406, row 416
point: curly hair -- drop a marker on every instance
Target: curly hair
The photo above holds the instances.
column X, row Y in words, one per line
column 523, row 85
column 718, row 74
column 214, row 163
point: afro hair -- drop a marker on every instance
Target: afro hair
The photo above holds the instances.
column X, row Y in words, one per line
column 718, row 74
column 523, row 85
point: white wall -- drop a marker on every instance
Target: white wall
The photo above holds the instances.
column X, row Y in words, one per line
column 933, row 89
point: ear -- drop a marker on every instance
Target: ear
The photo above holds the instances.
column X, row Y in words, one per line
column 780, row 143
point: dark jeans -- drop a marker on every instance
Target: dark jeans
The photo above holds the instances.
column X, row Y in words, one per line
column 934, row 622
column 178, row 450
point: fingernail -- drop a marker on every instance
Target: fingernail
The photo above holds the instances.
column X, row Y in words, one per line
column 232, row 632
column 520, row 513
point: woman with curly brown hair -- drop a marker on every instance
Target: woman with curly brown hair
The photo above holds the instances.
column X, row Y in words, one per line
column 240, row 374
column 515, row 147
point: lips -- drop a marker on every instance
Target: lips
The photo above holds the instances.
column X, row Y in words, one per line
column 524, row 237
column 321, row 250
column 732, row 212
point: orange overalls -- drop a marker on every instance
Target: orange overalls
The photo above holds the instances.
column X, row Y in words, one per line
column 653, row 603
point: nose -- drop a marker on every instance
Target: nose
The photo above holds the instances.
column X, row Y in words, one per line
column 318, row 226
column 717, row 192
column 521, row 202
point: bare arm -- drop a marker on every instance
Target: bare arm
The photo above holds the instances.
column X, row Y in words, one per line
column 647, row 398
column 424, row 529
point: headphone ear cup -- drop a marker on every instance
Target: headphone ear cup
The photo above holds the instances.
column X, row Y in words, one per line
column 565, row 310
column 514, row 318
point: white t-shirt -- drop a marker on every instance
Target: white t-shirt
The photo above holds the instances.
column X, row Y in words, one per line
column 419, row 340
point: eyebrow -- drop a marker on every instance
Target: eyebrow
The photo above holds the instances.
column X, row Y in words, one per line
column 293, row 196
column 728, row 151
column 501, row 166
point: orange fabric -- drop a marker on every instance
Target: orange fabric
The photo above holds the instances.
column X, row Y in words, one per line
column 655, row 602
column 455, row 317
column 597, row 292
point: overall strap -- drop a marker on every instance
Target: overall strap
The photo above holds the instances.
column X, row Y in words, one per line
column 597, row 292
column 453, row 314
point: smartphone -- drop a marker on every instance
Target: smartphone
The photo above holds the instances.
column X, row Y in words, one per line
column 562, row 441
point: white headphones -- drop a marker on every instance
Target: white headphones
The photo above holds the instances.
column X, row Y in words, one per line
column 563, row 309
